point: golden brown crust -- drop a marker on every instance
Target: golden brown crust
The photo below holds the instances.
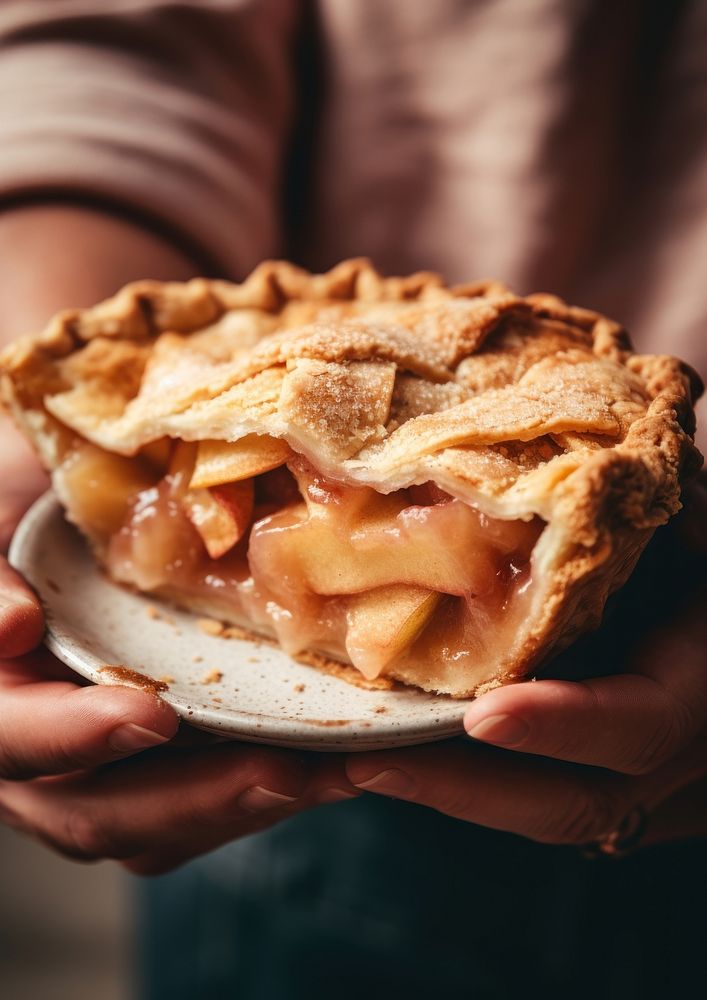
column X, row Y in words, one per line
column 522, row 406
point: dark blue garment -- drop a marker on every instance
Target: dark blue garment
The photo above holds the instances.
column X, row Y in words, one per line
column 371, row 899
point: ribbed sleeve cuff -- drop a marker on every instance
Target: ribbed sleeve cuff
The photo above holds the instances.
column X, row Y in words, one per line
column 99, row 124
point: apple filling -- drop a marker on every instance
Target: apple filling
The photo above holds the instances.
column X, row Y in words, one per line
column 250, row 532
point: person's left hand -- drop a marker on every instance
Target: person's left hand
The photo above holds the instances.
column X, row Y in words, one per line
column 583, row 754
column 81, row 768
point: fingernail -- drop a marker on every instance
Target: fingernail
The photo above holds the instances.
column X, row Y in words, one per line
column 391, row 782
column 131, row 737
column 505, row 730
column 335, row 795
column 259, row 799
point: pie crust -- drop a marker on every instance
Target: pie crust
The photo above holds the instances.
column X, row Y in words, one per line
column 526, row 409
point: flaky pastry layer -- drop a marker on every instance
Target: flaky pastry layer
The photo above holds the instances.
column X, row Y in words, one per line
column 522, row 407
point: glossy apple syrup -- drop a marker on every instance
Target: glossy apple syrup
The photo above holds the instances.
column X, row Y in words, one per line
column 314, row 545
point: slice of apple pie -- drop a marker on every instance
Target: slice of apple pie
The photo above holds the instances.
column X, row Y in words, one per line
column 439, row 486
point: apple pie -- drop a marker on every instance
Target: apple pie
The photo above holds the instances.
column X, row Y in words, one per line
column 432, row 485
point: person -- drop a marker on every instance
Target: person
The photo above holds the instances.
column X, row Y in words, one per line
column 555, row 146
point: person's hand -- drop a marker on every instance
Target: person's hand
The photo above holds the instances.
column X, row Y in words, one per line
column 68, row 777
column 71, row 771
column 71, row 768
column 578, row 757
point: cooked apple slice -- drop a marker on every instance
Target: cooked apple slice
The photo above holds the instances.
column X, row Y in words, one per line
column 157, row 544
column 382, row 623
column 221, row 514
column 96, row 487
column 231, row 461
column 439, row 548
column 346, row 505
column 237, row 499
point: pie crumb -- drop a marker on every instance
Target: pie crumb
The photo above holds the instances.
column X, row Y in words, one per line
column 152, row 612
column 210, row 626
column 345, row 672
column 197, row 659
column 299, row 688
column 166, row 679
column 235, row 632
column 212, row 676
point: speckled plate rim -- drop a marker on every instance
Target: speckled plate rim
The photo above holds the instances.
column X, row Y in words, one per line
column 44, row 524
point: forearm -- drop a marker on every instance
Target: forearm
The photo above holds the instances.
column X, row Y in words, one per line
column 61, row 256
column 55, row 257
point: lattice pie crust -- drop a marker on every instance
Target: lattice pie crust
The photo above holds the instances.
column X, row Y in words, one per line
column 471, row 473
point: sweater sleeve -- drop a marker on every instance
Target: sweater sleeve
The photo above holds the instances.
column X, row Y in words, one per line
column 176, row 111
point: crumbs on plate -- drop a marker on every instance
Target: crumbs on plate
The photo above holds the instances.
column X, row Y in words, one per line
column 210, row 626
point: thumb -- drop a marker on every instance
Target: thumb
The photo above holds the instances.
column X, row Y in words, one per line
column 21, row 616
column 76, row 727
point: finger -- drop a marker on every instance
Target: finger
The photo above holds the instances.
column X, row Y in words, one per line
column 541, row 799
column 324, row 788
column 55, row 727
column 170, row 804
column 631, row 723
column 160, row 859
column 21, row 616
column 625, row 723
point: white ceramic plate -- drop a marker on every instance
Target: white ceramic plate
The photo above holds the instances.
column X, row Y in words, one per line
column 262, row 696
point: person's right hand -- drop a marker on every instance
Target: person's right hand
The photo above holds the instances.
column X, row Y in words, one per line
column 71, row 770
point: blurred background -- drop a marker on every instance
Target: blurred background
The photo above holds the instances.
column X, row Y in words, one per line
column 64, row 927
column 632, row 246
